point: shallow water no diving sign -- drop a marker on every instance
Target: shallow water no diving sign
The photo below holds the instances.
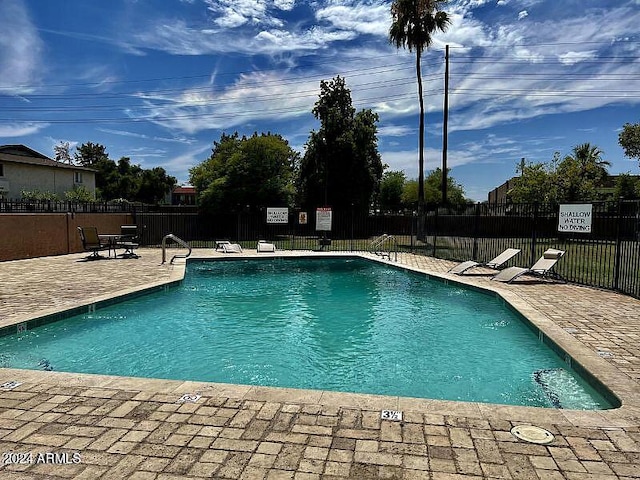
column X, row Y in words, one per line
column 575, row 218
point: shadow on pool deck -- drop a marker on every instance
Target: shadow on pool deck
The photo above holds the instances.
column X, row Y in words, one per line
column 136, row 428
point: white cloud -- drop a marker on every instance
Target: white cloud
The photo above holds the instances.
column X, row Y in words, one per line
column 523, row 14
column 284, row 4
column 367, row 19
column 571, row 58
column 396, row 131
column 125, row 133
column 20, row 49
column 8, row 130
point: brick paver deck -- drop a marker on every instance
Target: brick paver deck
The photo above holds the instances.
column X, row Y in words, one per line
column 63, row 425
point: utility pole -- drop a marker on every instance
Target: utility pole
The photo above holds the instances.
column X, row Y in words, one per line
column 444, row 125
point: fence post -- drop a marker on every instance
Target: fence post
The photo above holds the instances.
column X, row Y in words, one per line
column 476, row 229
column 435, row 230
column 616, row 266
column 351, row 243
column 534, row 232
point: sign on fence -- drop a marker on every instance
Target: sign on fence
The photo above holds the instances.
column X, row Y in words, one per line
column 277, row 215
column 575, row 218
column 323, row 218
column 302, row 218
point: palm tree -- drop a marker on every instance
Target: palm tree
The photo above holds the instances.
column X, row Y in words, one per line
column 586, row 154
column 412, row 27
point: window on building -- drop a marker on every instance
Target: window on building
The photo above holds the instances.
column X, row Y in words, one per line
column 1, row 170
column 77, row 177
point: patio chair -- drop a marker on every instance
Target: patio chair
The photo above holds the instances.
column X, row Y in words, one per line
column 91, row 242
column 494, row 263
column 228, row 247
column 264, row 246
column 128, row 240
column 543, row 267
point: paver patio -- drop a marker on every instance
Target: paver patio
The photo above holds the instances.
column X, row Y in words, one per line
column 64, row 425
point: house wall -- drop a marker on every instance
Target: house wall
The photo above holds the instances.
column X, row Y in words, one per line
column 32, row 235
column 19, row 176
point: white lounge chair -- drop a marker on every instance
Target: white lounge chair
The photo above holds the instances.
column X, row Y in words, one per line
column 543, row 267
column 265, row 247
column 494, row 263
column 228, row 247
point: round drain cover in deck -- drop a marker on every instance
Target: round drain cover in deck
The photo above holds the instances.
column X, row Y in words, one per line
column 532, row 434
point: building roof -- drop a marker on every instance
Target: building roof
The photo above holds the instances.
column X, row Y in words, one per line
column 23, row 154
column 184, row 190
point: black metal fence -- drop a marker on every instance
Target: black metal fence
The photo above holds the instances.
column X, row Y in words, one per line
column 607, row 257
column 53, row 206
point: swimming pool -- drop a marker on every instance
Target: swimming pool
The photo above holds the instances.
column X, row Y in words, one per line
column 335, row 324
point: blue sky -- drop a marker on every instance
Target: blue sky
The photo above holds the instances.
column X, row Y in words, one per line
column 159, row 81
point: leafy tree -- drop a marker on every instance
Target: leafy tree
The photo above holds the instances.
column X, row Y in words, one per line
column 629, row 140
column 391, row 188
column 89, row 154
column 413, row 24
column 79, row 194
column 153, row 185
column 122, row 179
column 62, row 152
column 255, row 171
column 433, row 190
column 627, row 187
column 581, row 174
column 341, row 166
column 536, row 183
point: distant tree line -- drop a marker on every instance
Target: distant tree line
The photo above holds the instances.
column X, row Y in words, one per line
column 580, row 176
column 117, row 181
column 341, row 167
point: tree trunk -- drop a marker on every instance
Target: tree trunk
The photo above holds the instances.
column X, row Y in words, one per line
column 421, row 137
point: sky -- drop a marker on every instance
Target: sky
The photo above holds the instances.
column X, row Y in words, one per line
column 160, row 81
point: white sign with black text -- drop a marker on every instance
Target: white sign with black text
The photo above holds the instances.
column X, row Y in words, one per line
column 277, row 215
column 575, row 218
column 323, row 219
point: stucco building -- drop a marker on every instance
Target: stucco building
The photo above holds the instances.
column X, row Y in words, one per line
column 24, row 169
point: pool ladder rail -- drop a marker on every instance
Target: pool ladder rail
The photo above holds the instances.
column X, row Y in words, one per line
column 384, row 246
column 179, row 241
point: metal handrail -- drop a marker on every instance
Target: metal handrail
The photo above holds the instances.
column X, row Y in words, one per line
column 377, row 246
column 178, row 240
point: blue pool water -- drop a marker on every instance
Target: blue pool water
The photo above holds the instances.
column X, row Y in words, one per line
column 335, row 324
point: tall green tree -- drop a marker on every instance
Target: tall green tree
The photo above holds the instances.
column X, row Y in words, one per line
column 341, row 166
column 257, row 172
column 391, row 188
column 154, row 184
column 413, row 24
column 581, row 174
column 627, row 187
column 629, row 140
column 90, row 153
column 123, row 179
column 433, row 190
column 578, row 176
column 536, row 183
